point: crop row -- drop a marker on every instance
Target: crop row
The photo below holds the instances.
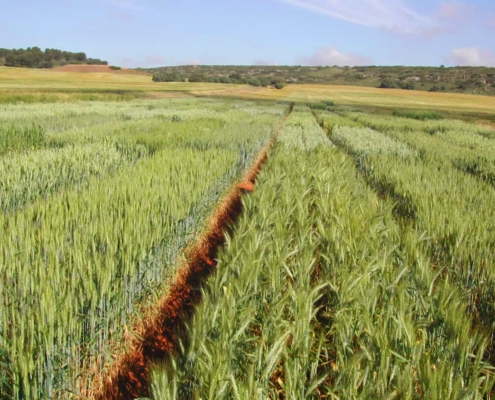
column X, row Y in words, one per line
column 82, row 116
column 469, row 147
column 455, row 211
column 302, row 131
column 29, row 175
column 364, row 141
column 321, row 294
column 25, row 178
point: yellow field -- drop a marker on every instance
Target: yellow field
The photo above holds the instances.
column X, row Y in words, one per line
column 30, row 81
column 357, row 95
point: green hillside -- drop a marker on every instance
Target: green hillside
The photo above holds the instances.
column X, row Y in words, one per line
column 478, row 80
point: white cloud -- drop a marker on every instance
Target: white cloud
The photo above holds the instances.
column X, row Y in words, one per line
column 391, row 15
column 471, row 56
column 332, row 56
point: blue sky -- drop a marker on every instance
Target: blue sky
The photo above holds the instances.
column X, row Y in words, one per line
column 149, row 33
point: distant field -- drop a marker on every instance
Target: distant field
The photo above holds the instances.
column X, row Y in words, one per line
column 364, row 96
column 30, row 85
column 94, row 68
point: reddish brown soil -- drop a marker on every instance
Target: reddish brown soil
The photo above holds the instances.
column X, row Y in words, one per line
column 246, row 186
column 92, row 69
column 158, row 335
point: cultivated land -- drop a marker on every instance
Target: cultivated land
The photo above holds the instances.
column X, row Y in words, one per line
column 26, row 85
column 187, row 241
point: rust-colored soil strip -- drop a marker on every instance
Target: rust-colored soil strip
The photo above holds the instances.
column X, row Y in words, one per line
column 129, row 377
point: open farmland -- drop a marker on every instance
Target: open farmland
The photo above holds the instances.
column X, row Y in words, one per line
column 351, row 253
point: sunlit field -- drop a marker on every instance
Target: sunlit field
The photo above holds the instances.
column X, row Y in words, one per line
column 46, row 85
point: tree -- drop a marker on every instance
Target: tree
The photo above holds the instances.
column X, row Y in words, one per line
column 34, row 57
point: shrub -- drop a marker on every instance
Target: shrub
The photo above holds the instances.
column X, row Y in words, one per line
column 198, row 78
column 388, row 84
column 264, row 81
column 254, row 82
column 115, row 68
column 408, row 86
column 163, row 77
column 236, row 77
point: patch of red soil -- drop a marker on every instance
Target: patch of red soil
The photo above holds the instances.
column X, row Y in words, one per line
column 158, row 336
column 93, row 69
column 246, row 186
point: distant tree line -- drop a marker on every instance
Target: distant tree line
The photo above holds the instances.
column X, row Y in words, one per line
column 478, row 80
column 236, row 78
column 34, row 57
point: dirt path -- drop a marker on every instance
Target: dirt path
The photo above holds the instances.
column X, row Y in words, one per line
column 128, row 378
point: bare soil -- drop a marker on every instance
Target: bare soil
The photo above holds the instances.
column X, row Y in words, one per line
column 93, row 69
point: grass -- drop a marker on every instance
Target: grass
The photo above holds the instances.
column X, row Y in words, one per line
column 14, row 139
column 422, row 115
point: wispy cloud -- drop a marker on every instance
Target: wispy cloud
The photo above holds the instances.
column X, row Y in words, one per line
column 471, row 56
column 392, row 15
column 396, row 16
column 453, row 16
column 333, row 56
